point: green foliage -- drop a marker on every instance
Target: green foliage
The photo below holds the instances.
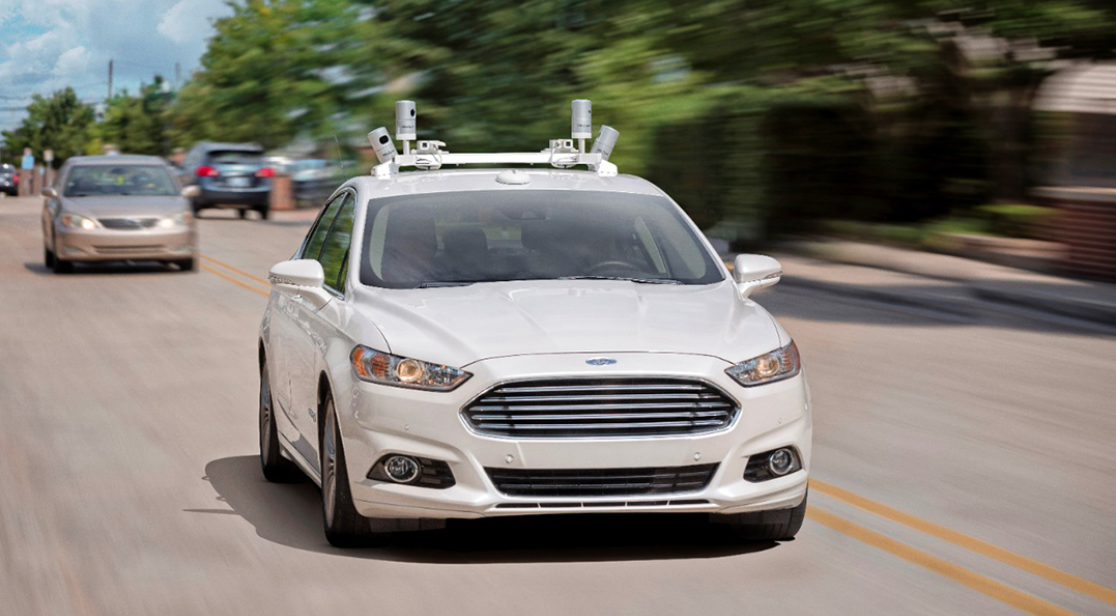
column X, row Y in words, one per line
column 59, row 122
column 136, row 124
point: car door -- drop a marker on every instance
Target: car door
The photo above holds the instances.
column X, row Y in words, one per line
column 288, row 337
column 313, row 333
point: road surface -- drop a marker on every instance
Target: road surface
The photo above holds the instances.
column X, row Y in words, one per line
column 962, row 466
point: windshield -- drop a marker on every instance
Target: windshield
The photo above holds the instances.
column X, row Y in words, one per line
column 147, row 180
column 236, row 157
column 488, row 236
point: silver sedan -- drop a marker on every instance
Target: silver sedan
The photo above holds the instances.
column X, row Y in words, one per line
column 113, row 208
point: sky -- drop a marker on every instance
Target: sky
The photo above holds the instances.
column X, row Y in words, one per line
column 46, row 45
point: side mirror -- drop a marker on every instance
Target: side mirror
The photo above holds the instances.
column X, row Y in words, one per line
column 50, row 193
column 191, row 192
column 753, row 272
column 302, row 277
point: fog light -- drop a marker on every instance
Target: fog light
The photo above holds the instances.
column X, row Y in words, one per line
column 780, row 462
column 401, row 469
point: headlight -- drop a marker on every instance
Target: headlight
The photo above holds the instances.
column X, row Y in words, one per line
column 386, row 369
column 774, row 366
column 178, row 220
column 74, row 221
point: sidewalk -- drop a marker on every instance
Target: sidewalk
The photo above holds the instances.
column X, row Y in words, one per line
column 941, row 282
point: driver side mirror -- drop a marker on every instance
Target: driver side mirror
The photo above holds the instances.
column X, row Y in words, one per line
column 191, row 192
column 302, row 277
column 50, row 193
column 754, row 272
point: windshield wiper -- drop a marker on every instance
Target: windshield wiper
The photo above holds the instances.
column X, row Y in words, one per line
column 445, row 283
column 635, row 280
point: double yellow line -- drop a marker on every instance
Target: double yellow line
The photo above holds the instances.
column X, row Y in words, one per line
column 250, row 284
column 961, row 575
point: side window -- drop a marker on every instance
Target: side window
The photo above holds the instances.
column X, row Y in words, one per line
column 316, row 237
column 335, row 251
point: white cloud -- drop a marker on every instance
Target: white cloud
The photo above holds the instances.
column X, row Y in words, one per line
column 50, row 44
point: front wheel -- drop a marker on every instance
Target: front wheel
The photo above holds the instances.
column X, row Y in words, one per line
column 276, row 468
column 48, row 257
column 344, row 526
column 774, row 525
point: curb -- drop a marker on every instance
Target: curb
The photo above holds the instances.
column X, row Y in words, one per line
column 1094, row 312
column 955, row 306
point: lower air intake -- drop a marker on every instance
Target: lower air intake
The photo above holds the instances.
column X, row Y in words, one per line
column 601, row 481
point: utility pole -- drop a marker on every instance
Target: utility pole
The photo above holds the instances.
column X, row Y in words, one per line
column 177, row 75
column 110, row 81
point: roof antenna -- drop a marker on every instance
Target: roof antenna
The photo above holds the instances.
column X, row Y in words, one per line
column 340, row 159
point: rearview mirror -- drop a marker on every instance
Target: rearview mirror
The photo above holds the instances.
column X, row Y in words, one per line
column 298, row 273
column 50, row 193
column 753, row 272
column 191, row 192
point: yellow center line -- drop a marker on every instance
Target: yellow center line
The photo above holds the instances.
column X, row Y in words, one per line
column 965, row 577
column 969, row 543
column 234, row 269
column 245, row 285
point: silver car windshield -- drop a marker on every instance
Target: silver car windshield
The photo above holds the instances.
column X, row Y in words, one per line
column 461, row 238
column 98, row 180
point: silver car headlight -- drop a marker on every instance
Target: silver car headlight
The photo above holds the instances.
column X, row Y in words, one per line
column 75, row 221
column 387, row 369
column 774, row 366
column 181, row 219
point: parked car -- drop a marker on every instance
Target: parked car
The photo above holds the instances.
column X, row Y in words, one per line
column 229, row 175
column 468, row 343
column 117, row 208
column 9, row 180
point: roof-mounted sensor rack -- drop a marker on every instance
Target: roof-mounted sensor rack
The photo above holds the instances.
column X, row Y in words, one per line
column 429, row 154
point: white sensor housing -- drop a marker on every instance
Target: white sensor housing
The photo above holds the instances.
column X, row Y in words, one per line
column 406, row 121
column 581, row 124
column 382, row 145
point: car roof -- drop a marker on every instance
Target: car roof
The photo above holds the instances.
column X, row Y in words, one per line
column 116, row 159
column 456, row 180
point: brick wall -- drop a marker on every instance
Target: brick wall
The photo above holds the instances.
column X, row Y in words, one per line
column 1086, row 224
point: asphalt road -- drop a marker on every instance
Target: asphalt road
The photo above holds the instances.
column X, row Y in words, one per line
column 962, row 466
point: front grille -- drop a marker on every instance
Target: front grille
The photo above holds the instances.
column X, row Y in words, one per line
column 580, row 482
column 128, row 224
column 601, row 408
column 125, row 250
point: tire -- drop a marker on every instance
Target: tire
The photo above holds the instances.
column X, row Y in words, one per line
column 774, row 525
column 242, row 212
column 264, row 211
column 61, row 266
column 276, row 468
column 197, row 208
column 186, row 265
column 344, row 526
column 48, row 257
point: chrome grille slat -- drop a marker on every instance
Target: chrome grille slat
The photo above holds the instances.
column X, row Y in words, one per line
column 128, row 223
column 605, row 407
column 601, row 482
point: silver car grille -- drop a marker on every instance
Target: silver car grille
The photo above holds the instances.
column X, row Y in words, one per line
column 128, row 224
column 574, row 408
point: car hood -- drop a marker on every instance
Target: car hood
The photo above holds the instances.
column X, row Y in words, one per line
column 462, row 325
column 123, row 206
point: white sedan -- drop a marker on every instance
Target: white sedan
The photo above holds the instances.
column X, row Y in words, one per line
column 452, row 344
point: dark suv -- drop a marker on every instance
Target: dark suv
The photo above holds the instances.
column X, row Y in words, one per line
column 230, row 175
column 9, row 181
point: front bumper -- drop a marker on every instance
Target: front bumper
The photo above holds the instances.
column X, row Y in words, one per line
column 385, row 420
column 116, row 245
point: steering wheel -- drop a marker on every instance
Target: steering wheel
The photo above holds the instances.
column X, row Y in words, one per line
column 607, row 266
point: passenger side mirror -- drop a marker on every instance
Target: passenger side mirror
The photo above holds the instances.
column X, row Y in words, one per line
column 753, row 272
column 50, row 193
column 191, row 192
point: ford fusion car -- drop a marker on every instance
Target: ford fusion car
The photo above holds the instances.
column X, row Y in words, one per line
column 487, row 342
column 113, row 208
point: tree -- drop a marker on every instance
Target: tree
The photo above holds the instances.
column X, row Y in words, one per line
column 137, row 124
column 59, row 122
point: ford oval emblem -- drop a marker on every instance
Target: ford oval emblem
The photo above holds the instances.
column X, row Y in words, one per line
column 600, row 361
